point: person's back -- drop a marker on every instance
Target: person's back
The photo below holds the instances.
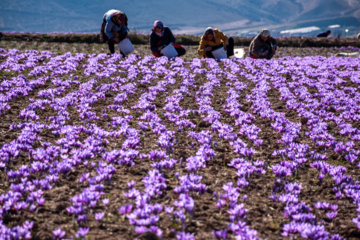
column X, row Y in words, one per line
column 324, row 34
column 114, row 28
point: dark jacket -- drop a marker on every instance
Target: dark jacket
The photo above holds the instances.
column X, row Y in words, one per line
column 258, row 44
column 157, row 41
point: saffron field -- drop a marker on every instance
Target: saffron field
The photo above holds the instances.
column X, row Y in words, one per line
column 96, row 146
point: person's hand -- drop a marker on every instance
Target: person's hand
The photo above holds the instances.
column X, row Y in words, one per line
column 225, row 47
column 161, row 48
column 263, row 53
column 207, row 49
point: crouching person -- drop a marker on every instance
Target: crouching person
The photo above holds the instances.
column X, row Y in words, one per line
column 114, row 28
column 263, row 45
column 162, row 36
column 214, row 39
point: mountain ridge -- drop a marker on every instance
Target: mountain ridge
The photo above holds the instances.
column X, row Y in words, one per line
column 238, row 17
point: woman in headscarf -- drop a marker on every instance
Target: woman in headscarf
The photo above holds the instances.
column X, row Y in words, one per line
column 263, row 45
column 162, row 36
column 114, row 28
column 213, row 39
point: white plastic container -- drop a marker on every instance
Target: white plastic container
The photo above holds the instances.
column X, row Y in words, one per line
column 219, row 53
column 125, row 46
column 169, row 51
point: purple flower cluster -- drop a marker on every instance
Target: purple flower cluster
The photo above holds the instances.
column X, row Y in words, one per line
column 325, row 104
column 302, row 221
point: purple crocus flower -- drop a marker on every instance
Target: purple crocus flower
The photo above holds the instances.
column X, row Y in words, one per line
column 99, row 216
column 105, row 201
column 82, row 232
column 40, row 201
column 185, row 236
column 28, row 225
column 221, row 234
column 58, row 233
column 331, row 215
column 125, row 209
column 131, row 184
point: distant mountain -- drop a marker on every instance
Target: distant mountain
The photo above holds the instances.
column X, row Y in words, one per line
column 236, row 17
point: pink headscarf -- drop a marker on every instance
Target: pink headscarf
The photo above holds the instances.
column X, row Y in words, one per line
column 158, row 24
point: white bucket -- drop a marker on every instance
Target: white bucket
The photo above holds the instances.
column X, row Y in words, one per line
column 239, row 52
column 125, row 46
column 343, row 54
column 169, row 51
column 219, row 53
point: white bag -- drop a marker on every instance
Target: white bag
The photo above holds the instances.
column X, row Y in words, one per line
column 125, row 46
column 219, row 53
column 169, row 51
